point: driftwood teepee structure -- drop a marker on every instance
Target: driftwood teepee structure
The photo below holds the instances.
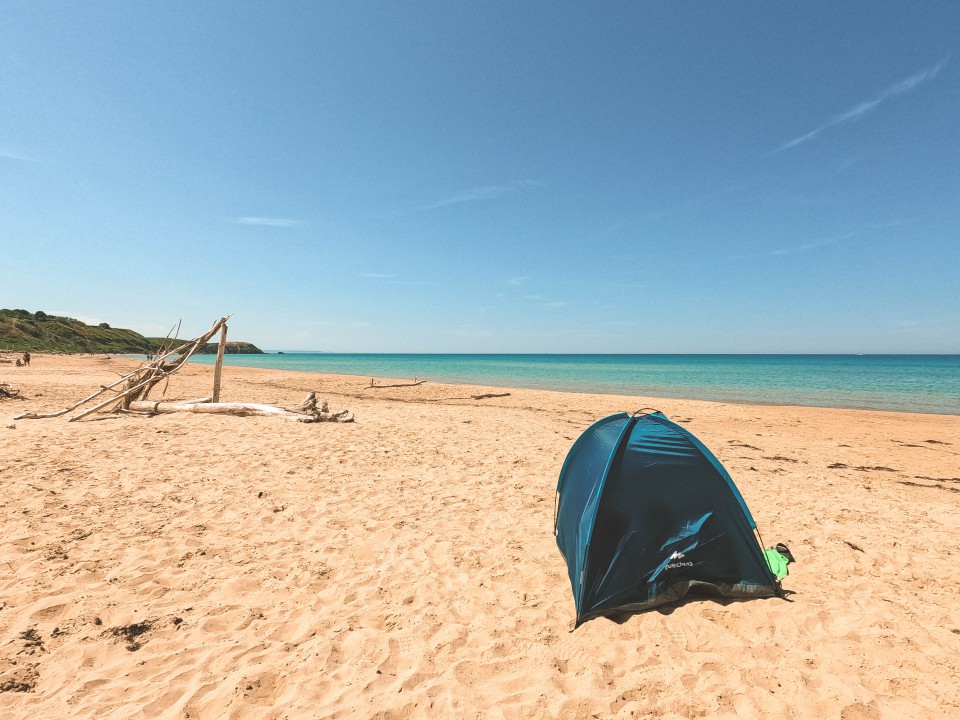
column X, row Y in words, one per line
column 129, row 393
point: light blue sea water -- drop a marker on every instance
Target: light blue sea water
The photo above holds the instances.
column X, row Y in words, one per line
column 912, row 383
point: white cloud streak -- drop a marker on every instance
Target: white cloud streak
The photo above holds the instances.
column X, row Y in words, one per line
column 859, row 110
column 8, row 155
column 477, row 194
column 268, row 222
column 813, row 245
column 796, row 249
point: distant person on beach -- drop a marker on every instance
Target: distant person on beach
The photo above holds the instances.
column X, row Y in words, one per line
column 26, row 359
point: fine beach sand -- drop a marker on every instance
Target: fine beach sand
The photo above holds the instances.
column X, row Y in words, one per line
column 200, row 566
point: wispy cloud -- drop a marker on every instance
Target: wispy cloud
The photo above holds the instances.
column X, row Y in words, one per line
column 382, row 276
column 518, row 281
column 796, row 249
column 916, row 322
column 896, row 222
column 268, row 222
column 859, row 110
column 484, row 192
column 812, row 245
column 10, row 155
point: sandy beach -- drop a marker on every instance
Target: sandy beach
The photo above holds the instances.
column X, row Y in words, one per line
column 404, row 565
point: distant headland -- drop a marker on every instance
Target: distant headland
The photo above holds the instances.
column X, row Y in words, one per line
column 22, row 330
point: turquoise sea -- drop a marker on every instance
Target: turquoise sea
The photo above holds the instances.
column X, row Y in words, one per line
column 912, row 383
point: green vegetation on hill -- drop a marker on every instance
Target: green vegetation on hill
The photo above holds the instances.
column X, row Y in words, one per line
column 38, row 332
column 21, row 331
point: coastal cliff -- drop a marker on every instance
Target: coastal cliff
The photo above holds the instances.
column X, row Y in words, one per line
column 232, row 348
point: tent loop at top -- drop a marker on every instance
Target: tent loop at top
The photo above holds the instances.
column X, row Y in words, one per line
column 645, row 411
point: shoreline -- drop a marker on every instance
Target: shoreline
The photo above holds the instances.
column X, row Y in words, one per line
column 405, row 564
column 720, row 383
column 350, row 385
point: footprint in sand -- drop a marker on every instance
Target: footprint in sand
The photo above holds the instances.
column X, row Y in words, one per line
column 263, row 689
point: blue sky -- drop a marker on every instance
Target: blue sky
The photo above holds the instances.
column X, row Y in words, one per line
column 488, row 177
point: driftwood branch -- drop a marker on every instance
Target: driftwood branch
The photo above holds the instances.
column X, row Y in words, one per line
column 415, row 382
column 489, row 395
column 309, row 405
column 140, row 384
column 159, row 369
column 58, row 413
column 302, row 413
column 8, row 391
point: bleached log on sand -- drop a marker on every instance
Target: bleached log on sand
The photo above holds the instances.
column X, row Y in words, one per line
column 309, row 405
column 240, row 409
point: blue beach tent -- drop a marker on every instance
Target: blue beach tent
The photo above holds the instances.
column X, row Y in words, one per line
column 646, row 514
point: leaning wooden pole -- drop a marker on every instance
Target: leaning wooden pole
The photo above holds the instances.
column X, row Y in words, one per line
column 39, row 416
column 219, row 367
column 158, row 370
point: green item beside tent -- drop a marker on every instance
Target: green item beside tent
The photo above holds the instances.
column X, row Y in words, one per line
column 777, row 563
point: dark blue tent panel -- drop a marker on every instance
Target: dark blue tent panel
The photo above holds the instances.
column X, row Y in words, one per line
column 646, row 514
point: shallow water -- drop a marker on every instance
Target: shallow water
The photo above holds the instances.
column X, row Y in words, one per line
column 912, row 383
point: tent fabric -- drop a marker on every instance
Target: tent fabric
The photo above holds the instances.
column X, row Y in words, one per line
column 646, row 514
